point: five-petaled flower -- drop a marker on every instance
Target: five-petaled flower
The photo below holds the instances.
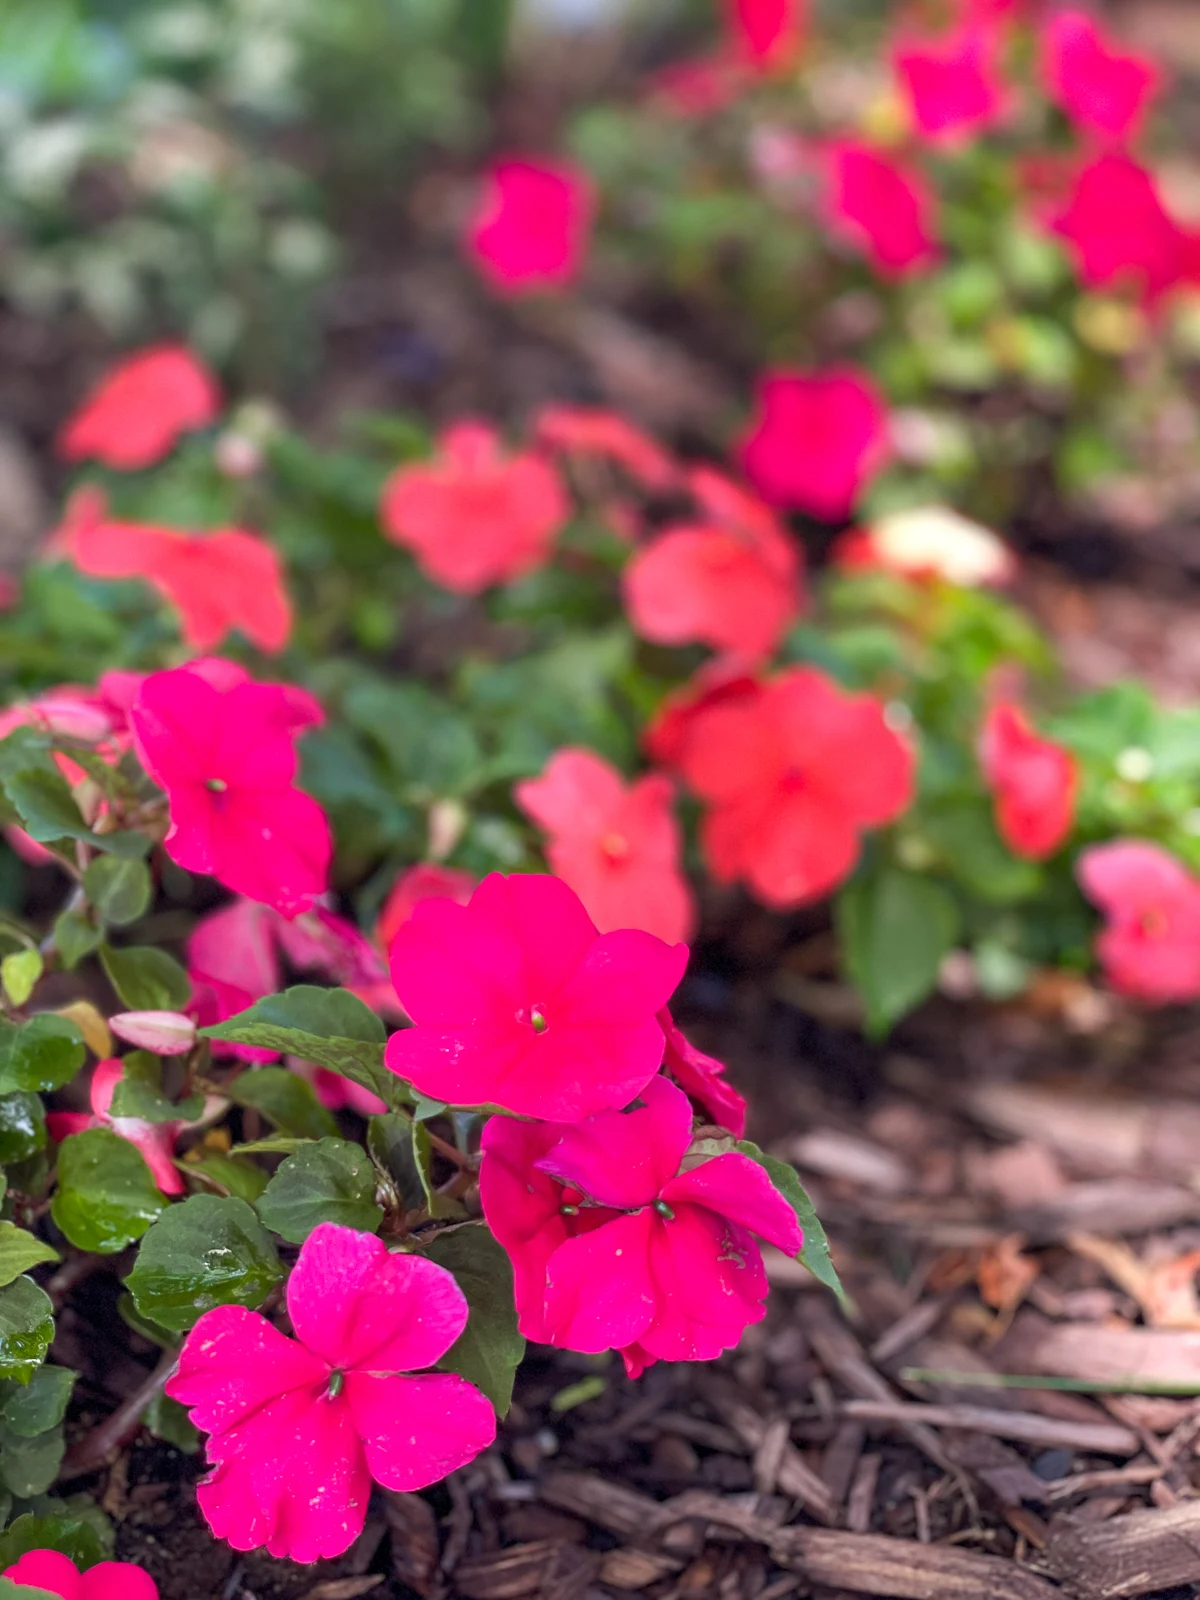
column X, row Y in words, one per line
column 298, row 1428
column 1120, row 232
column 55, row 1573
column 1102, row 89
column 1150, row 947
column 881, row 207
column 140, row 409
column 614, row 1247
column 474, row 515
column 817, row 440
column 519, row 1002
column 952, row 84
column 531, row 227
column 1033, row 779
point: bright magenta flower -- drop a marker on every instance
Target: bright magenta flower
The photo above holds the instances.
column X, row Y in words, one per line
column 817, row 440
column 227, row 760
column 216, row 581
column 1034, row 781
column 426, row 881
column 475, row 516
column 300, row 1427
column 1151, row 946
column 765, row 34
column 140, row 409
column 617, row 845
column 532, row 226
column 702, row 1077
column 57, row 1574
column 1120, row 232
column 646, row 1255
column 881, row 207
column 155, row 1140
column 731, row 579
column 1102, row 89
column 952, row 84
column 591, row 431
column 520, row 1003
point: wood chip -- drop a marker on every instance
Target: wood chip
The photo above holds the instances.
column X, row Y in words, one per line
column 794, row 1476
column 1130, row 1555
column 415, row 1543
column 1048, row 1432
column 343, row 1588
column 849, row 1157
column 1100, row 1353
column 768, row 1458
column 841, row 1458
column 862, row 1494
column 622, row 1511
column 542, row 1567
column 637, row 1569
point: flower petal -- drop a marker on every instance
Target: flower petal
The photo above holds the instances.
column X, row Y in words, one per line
column 233, row 1362
column 416, row 1430
column 739, row 1189
column 599, row 1292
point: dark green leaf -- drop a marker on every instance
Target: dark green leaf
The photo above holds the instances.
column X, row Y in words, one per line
column 43, row 1053
column 205, row 1252
column 48, row 813
column 75, row 938
column 896, row 927
column 146, row 978
column 139, row 1093
column 26, row 1329
column 285, row 1100
column 330, row 1181
column 29, row 1409
column 119, row 890
column 489, row 1350
column 329, row 1027
column 22, row 1127
column 965, row 836
column 29, row 1466
column 169, row 1421
column 20, row 1250
column 71, row 1535
column 232, row 1174
column 106, row 1194
column 815, row 1251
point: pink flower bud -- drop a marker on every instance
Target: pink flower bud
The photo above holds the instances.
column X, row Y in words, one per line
column 167, row 1033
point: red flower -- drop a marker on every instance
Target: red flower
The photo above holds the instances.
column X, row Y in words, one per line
column 140, row 409
column 793, row 773
column 1102, row 90
column 217, row 581
column 474, row 516
column 881, row 207
column 765, row 34
column 520, row 1003
column 817, row 441
column 1034, row 782
column 1120, row 231
column 616, row 844
column 703, row 1078
column 532, row 225
column 1151, row 946
column 952, row 84
column 670, row 736
column 426, row 881
column 592, row 431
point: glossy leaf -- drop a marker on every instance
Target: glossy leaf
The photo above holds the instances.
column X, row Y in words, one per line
column 48, row 813
column 71, row 1535
column 285, row 1100
column 329, row 1027
column 139, row 1093
column 20, row 1250
column 42, row 1054
column 146, row 978
column 814, row 1253
column 22, row 1127
column 29, row 1409
column 208, row 1251
column 26, row 1329
column 489, row 1350
column 330, row 1181
column 106, row 1195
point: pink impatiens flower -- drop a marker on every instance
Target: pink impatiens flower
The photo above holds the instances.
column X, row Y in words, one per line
column 1103, row 90
column 817, row 440
column 765, row 35
column 531, row 228
column 952, row 84
column 475, row 515
column 1033, row 779
column 617, row 845
column 619, row 1248
column 1150, row 948
column 519, row 1002
column 702, row 1077
column 300, row 1427
column 140, row 409
column 224, row 751
column 57, row 1574
column 1119, row 231
column 155, row 1140
column 880, row 207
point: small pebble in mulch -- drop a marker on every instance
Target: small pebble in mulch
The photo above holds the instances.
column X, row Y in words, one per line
column 1052, row 1464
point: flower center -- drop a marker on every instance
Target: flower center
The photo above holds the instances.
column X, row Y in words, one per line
column 1155, row 923
column 217, row 785
column 533, row 1017
column 569, row 1211
column 664, row 1210
column 336, row 1379
column 614, row 847
column 793, row 781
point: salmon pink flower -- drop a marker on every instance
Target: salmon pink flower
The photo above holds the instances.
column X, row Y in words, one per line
column 519, row 1002
column 1150, row 948
column 1102, row 90
column 952, row 84
column 531, row 228
column 1034, row 781
column 227, row 760
column 730, row 580
column 792, row 774
column 616, row 844
column 1119, row 231
column 590, row 431
column 881, row 207
column 669, row 1264
column 298, row 1428
column 138, row 412
column 55, row 1573
column 702, row 1078
column 817, row 440
column 670, row 735
column 928, row 542
column 426, row 881
column 216, row 581
column 475, row 516
column 154, row 1140
column 765, row 35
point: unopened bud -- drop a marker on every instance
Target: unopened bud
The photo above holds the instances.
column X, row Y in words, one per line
column 167, row 1033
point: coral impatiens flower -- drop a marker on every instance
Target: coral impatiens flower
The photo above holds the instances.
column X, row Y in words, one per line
column 1151, row 946
column 519, row 1002
column 765, row 35
column 299, row 1427
column 426, row 881
column 1102, row 89
column 532, row 225
column 730, row 580
column 474, row 515
column 669, row 736
column 140, row 409
column 216, row 581
column 653, row 1257
column 792, row 774
column 155, row 1140
column 57, row 1574
column 617, row 845
column 703, row 1078
column 952, row 85
column 929, row 542
column 881, row 207
column 226, row 758
column 1034, row 781
column 1120, row 232
column 591, row 431
column 817, row 440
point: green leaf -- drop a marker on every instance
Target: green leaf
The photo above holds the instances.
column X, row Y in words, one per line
column 815, row 1251
column 26, row 1329
column 29, row 1466
column 119, row 890
column 285, row 1100
column 75, row 937
column 965, row 836
column 242, row 1179
column 48, row 813
column 139, row 1093
column 146, row 978
column 106, row 1195
column 44, row 1053
column 169, row 1421
column 489, row 1349
column 330, row 1181
column 896, row 927
column 329, row 1027
column 20, row 1250
column 27, row 1410
column 19, row 973
column 70, row 1535
column 400, row 1145
column 22, row 1127
column 22, row 1591
column 202, row 1253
